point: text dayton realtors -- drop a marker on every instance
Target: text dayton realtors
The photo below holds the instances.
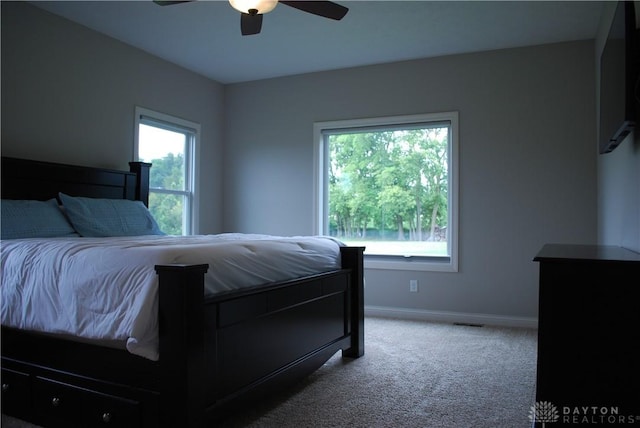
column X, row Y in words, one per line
column 596, row 415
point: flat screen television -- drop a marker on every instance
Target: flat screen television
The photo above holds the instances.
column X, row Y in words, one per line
column 619, row 79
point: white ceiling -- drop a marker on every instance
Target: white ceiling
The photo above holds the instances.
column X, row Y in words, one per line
column 204, row 36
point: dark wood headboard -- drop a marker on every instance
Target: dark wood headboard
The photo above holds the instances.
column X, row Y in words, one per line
column 29, row 179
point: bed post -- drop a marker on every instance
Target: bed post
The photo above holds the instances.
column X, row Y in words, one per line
column 182, row 349
column 141, row 170
column 352, row 258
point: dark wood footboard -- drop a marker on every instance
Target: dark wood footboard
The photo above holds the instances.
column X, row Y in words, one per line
column 247, row 344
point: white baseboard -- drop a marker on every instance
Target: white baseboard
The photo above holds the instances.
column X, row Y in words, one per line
column 451, row 317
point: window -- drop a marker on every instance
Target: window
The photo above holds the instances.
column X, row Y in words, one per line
column 170, row 145
column 390, row 184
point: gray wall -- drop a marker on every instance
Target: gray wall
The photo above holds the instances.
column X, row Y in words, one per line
column 69, row 94
column 527, row 133
column 527, row 166
column 618, row 173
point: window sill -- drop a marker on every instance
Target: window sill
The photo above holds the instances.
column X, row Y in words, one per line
column 433, row 264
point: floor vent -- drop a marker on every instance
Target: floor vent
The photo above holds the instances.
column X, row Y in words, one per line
column 468, row 324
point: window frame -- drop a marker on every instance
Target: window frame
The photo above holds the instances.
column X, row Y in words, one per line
column 321, row 197
column 146, row 116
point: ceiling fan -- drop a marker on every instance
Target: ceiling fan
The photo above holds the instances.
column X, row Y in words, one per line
column 252, row 10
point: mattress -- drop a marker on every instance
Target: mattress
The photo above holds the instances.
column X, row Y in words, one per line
column 106, row 289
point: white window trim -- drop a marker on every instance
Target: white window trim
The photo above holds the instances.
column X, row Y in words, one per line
column 321, row 197
column 181, row 125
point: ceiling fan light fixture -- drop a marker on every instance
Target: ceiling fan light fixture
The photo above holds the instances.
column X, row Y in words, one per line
column 250, row 6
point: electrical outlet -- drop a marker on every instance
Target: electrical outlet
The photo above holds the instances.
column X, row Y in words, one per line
column 413, row 285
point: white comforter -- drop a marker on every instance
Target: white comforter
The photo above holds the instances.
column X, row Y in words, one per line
column 107, row 289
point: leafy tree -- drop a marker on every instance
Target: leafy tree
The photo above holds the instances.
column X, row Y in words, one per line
column 167, row 209
column 168, row 172
column 390, row 180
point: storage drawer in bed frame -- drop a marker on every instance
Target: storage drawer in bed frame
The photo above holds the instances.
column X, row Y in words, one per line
column 16, row 392
column 60, row 400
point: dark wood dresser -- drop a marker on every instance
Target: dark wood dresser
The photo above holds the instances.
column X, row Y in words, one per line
column 589, row 333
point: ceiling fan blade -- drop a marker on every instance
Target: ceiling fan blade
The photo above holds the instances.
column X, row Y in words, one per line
column 250, row 23
column 327, row 9
column 169, row 3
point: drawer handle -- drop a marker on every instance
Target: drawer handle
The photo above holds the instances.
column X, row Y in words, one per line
column 55, row 401
column 106, row 417
column 5, row 387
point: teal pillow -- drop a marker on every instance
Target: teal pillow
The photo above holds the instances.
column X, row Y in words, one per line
column 33, row 219
column 109, row 217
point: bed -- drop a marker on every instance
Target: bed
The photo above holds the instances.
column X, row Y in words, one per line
column 217, row 352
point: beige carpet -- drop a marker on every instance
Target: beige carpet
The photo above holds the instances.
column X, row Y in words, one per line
column 414, row 374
